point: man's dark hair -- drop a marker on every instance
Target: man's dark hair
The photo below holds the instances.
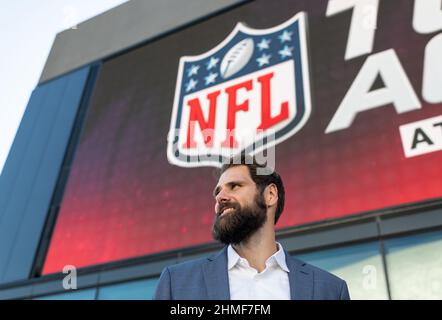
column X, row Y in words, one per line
column 261, row 175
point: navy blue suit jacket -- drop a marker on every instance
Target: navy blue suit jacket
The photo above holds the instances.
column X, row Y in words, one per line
column 207, row 279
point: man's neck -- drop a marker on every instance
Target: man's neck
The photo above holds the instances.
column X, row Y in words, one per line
column 258, row 248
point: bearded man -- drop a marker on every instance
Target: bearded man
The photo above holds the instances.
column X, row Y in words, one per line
column 249, row 199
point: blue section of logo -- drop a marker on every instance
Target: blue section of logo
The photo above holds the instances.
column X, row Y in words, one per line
column 270, row 49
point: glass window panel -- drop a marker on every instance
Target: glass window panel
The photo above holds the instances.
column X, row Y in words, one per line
column 415, row 266
column 359, row 265
column 134, row 290
column 88, row 294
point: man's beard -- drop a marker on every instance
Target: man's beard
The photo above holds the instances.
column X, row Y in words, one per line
column 237, row 226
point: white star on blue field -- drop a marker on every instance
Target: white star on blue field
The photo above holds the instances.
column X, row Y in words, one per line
column 263, row 44
column 211, row 78
column 191, row 85
column 269, row 49
column 193, row 70
column 264, row 59
column 285, row 52
column 285, row 36
column 212, row 63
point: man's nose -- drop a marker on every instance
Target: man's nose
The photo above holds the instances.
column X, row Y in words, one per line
column 222, row 196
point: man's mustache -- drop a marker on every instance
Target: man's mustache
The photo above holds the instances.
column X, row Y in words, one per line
column 230, row 204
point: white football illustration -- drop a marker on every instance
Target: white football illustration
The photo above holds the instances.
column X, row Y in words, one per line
column 237, row 57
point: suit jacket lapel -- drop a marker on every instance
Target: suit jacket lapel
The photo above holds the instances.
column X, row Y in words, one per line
column 300, row 279
column 216, row 276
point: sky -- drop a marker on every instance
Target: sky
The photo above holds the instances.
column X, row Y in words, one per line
column 27, row 31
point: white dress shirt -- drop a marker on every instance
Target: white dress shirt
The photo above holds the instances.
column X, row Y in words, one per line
column 247, row 284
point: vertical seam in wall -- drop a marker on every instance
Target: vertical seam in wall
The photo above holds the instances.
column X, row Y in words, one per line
column 97, row 285
column 383, row 256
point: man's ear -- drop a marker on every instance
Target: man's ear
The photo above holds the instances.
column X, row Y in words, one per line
column 271, row 195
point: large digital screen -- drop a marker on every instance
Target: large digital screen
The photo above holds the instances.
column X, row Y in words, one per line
column 352, row 89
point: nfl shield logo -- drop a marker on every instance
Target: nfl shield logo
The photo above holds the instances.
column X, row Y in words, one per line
column 249, row 93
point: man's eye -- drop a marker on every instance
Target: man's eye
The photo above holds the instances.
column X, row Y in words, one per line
column 235, row 186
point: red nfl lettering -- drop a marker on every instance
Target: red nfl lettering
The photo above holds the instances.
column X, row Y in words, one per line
column 233, row 106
